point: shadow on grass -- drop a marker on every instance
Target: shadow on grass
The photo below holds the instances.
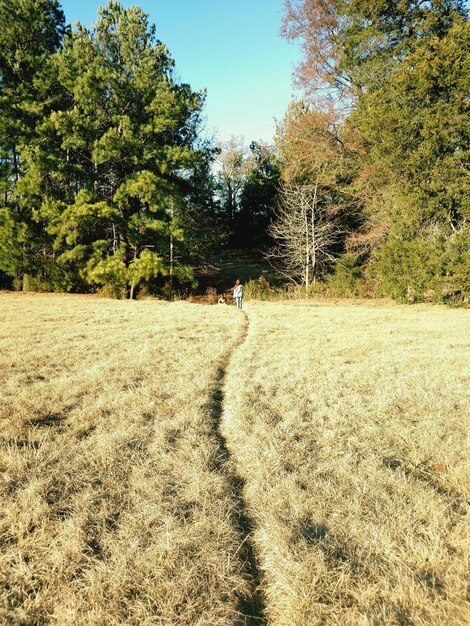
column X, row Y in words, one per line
column 251, row 608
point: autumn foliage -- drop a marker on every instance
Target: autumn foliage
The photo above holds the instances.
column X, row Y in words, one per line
column 385, row 122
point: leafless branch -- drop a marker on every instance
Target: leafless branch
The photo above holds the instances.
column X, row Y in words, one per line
column 304, row 232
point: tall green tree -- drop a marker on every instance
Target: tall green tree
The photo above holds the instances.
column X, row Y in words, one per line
column 258, row 197
column 111, row 172
column 399, row 72
column 234, row 162
column 203, row 225
column 416, row 122
column 30, row 32
column 247, row 182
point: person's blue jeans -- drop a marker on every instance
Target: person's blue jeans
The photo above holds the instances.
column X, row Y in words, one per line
column 239, row 302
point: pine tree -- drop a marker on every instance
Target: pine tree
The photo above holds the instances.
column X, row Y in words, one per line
column 258, row 197
column 30, row 31
column 111, row 172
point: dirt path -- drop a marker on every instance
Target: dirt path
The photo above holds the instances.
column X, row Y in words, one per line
column 251, row 608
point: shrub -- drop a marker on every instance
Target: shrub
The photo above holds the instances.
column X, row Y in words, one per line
column 409, row 268
column 211, row 293
column 435, row 265
column 347, row 277
column 260, row 289
column 457, row 265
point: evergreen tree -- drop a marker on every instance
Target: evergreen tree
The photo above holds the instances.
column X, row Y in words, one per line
column 111, row 171
column 399, row 72
column 414, row 118
column 202, row 223
column 258, row 198
column 235, row 162
column 416, row 123
column 30, row 31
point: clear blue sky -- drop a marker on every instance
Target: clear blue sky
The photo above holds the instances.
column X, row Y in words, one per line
column 230, row 47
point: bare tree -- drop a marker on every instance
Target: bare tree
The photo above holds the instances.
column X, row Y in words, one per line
column 234, row 163
column 304, row 232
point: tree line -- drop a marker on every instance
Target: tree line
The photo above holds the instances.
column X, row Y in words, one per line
column 106, row 181
column 383, row 137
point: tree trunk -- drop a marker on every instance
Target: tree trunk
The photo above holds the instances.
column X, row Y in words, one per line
column 314, row 243
column 26, row 282
column 231, row 211
column 133, row 281
column 16, row 167
column 307, row 248
column 114, row 239
column 26, row 286
column 171, row 261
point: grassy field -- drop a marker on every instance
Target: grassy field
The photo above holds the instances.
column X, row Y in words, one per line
column 165, row 464
column 349, row 425
column 114, row 506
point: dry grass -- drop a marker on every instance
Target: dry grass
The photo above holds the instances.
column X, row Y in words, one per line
column 349, row 426
column 114, row 506
column 346, row 423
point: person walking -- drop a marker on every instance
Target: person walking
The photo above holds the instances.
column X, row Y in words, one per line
column 238, row 292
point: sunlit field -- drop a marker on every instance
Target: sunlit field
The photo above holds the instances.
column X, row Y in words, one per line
column 164, row 463
column 114, row 508
column 349, row 425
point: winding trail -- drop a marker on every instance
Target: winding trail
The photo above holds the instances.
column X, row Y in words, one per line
column 251, row 609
